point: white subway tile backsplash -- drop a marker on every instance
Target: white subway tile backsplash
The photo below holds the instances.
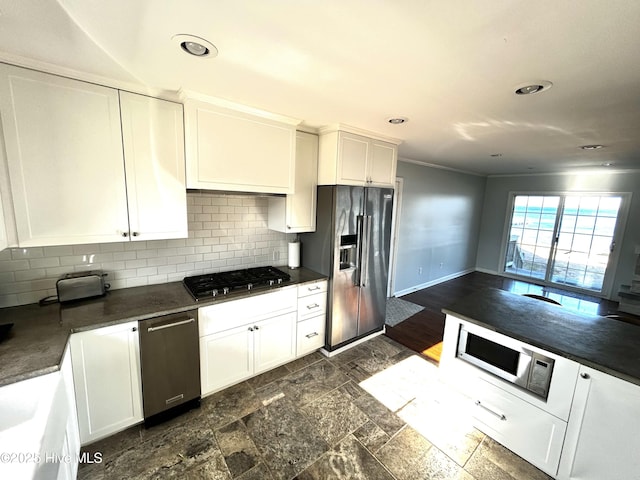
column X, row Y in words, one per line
column 226, row 232
column 20, row 253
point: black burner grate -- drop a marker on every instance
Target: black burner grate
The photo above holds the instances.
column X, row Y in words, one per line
column 222, row 283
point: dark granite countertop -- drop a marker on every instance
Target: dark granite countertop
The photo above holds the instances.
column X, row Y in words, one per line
column 604, row 344
column 36, row 342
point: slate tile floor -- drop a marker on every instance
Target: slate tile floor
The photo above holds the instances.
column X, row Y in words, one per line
column 376, row 411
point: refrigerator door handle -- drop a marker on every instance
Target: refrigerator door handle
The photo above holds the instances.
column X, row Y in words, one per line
column 359, row 232
column 366, row 245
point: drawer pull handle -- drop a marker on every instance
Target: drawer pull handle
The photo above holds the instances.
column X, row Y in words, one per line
column 499, row 415
column 311, row 335
column 317, row 287
column 315, row 305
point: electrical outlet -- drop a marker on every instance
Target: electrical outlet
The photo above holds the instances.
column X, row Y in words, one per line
column 276, row 255
column 419, row 270
column 441, row 264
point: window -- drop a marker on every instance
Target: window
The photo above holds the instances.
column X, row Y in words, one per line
column 563, row 239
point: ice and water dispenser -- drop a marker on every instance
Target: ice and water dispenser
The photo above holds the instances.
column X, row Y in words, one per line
column 348, row 251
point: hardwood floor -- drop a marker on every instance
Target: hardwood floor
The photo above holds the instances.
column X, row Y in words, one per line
column 423, row 331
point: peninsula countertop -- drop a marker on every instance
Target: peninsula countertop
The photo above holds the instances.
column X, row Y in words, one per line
column 604, row 344
column 39, row 336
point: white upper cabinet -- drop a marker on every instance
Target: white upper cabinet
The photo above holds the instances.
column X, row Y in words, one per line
column 64, row 153
column 64, row 142
column 238, row 151
column 153, row 135
column 296, row 212
column 347, row 158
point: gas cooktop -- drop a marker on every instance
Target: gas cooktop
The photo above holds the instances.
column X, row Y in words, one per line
column 223, row 283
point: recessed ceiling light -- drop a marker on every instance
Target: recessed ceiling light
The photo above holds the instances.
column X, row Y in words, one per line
column 591, row 147
column 196, row 46
column 607, row 164
column 397, row 120
column 536, row 87
column 495, row 155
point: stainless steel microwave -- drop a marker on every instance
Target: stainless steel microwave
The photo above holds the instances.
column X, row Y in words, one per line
column 520, row 366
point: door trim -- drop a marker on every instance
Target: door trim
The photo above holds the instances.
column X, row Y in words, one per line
column 395, row 230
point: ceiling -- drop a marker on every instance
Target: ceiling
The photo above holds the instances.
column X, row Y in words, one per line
column 450, row 67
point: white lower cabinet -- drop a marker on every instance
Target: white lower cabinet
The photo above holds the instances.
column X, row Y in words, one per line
column 312, row 317
column 532, row 433
column 225, row 358
column 106, row 373
column 274, row 342
column 603, row 440
column 310, row 335
column 241, row 338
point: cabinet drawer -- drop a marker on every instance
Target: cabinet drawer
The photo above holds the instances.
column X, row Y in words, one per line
column 312, row 306
column 312, row 288
column 235, row 313
column 310, row 335
column 523, row 428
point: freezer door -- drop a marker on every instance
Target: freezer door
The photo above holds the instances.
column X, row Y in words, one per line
column 375, row 259
column 344, row 291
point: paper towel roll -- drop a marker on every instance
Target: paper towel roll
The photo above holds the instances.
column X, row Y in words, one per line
column 294, row 254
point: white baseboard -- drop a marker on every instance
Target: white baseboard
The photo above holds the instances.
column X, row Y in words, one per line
column 486, row 270
column 433, row 282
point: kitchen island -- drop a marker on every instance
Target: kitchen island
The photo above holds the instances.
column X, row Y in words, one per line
column 585, row 425
column 604, row 344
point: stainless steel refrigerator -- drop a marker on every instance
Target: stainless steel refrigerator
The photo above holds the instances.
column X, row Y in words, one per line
column 351, row 246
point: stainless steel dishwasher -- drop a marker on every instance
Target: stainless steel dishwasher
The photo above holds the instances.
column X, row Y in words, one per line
column 170, row 362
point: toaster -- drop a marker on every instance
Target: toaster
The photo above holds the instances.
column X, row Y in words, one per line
column 76, row 286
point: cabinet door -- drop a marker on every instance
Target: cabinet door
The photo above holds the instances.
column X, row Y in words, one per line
column 602, row 436
column 275, row 342
column 106, row 373
column 225, row 358
column 382, row 164
column 153, row 135
column 301, row 205
column 64, row 152
column 296, row 212
column 229, row 150
column 353, row 151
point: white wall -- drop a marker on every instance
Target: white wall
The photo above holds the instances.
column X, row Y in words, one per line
column 439, row 225
column 495, row 212
column 226, row 232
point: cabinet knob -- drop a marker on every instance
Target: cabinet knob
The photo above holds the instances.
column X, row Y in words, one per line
column 135, row 234
column 125, row 234
column 257, row 327
column 585, row 375
column 134, row 329
column 251, row 329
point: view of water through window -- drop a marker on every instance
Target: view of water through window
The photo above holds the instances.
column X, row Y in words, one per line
column 562, row 239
